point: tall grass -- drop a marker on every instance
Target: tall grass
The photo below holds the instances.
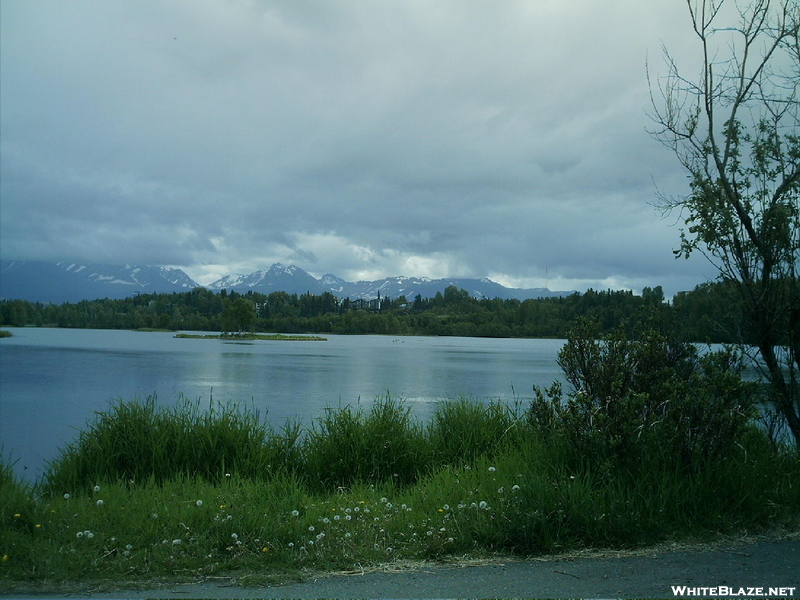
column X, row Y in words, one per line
column 349, row 446
column 148, row 491
column 138, row 440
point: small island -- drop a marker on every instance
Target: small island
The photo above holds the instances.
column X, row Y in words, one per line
column 253, row 336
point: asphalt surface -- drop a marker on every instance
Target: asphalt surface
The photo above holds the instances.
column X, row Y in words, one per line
column 643, row 574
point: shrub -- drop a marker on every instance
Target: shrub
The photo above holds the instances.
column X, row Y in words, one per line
column 645, row 398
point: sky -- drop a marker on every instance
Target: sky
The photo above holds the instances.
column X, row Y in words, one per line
column 363, row 138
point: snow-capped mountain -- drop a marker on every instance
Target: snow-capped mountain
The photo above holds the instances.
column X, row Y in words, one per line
column 59, row 282
column 278, row 278
column 410, row 287
column 295, row 280
column 40, row 281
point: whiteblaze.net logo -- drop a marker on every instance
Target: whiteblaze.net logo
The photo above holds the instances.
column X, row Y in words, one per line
column 724, row 591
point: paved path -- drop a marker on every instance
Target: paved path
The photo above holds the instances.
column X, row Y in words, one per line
column 644, row 574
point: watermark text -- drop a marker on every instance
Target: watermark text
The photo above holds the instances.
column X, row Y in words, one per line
column 732, row 592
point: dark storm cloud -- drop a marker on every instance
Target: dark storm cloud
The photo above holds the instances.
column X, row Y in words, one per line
column 467, row 138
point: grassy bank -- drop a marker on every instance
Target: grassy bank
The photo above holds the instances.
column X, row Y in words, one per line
column 147, row 493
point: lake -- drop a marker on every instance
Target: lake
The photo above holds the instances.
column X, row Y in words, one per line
column 53, row 380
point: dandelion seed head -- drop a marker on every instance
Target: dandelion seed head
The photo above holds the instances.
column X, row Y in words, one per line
column 89, row 534
column 492, row 469
column 79, row 535
column 295, row 513
column 514, row 488
column 311, row 528
column 97, row 488
column 199, row 503
column 99, row 503
column 66, row 496
column 176, row 542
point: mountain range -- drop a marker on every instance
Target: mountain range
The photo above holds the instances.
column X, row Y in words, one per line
column 59, row 282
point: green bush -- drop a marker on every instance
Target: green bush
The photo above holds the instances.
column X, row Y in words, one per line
column 648, row 397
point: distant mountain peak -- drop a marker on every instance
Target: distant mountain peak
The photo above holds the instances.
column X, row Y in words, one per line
column 59, row 282
column 71, row 282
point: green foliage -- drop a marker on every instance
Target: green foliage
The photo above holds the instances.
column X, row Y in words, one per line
column 453, row 313
column 348, row 446
column 463, row 430
column 525, row 500
column 138, row 441
column 645, row 398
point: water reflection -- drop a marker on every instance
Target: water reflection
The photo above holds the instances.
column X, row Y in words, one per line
column 52, row 380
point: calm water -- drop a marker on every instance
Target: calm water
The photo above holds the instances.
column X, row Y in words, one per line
column 52, row 380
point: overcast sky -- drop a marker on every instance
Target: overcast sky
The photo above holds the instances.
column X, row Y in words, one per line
column 365, row 138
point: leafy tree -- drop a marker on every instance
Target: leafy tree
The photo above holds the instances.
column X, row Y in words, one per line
column 734, row 129
column 238, row 315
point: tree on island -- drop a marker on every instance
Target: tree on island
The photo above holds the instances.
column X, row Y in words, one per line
column 238, row 315
column 735, row 130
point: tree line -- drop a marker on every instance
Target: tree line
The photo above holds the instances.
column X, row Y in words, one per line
column 706, row 314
